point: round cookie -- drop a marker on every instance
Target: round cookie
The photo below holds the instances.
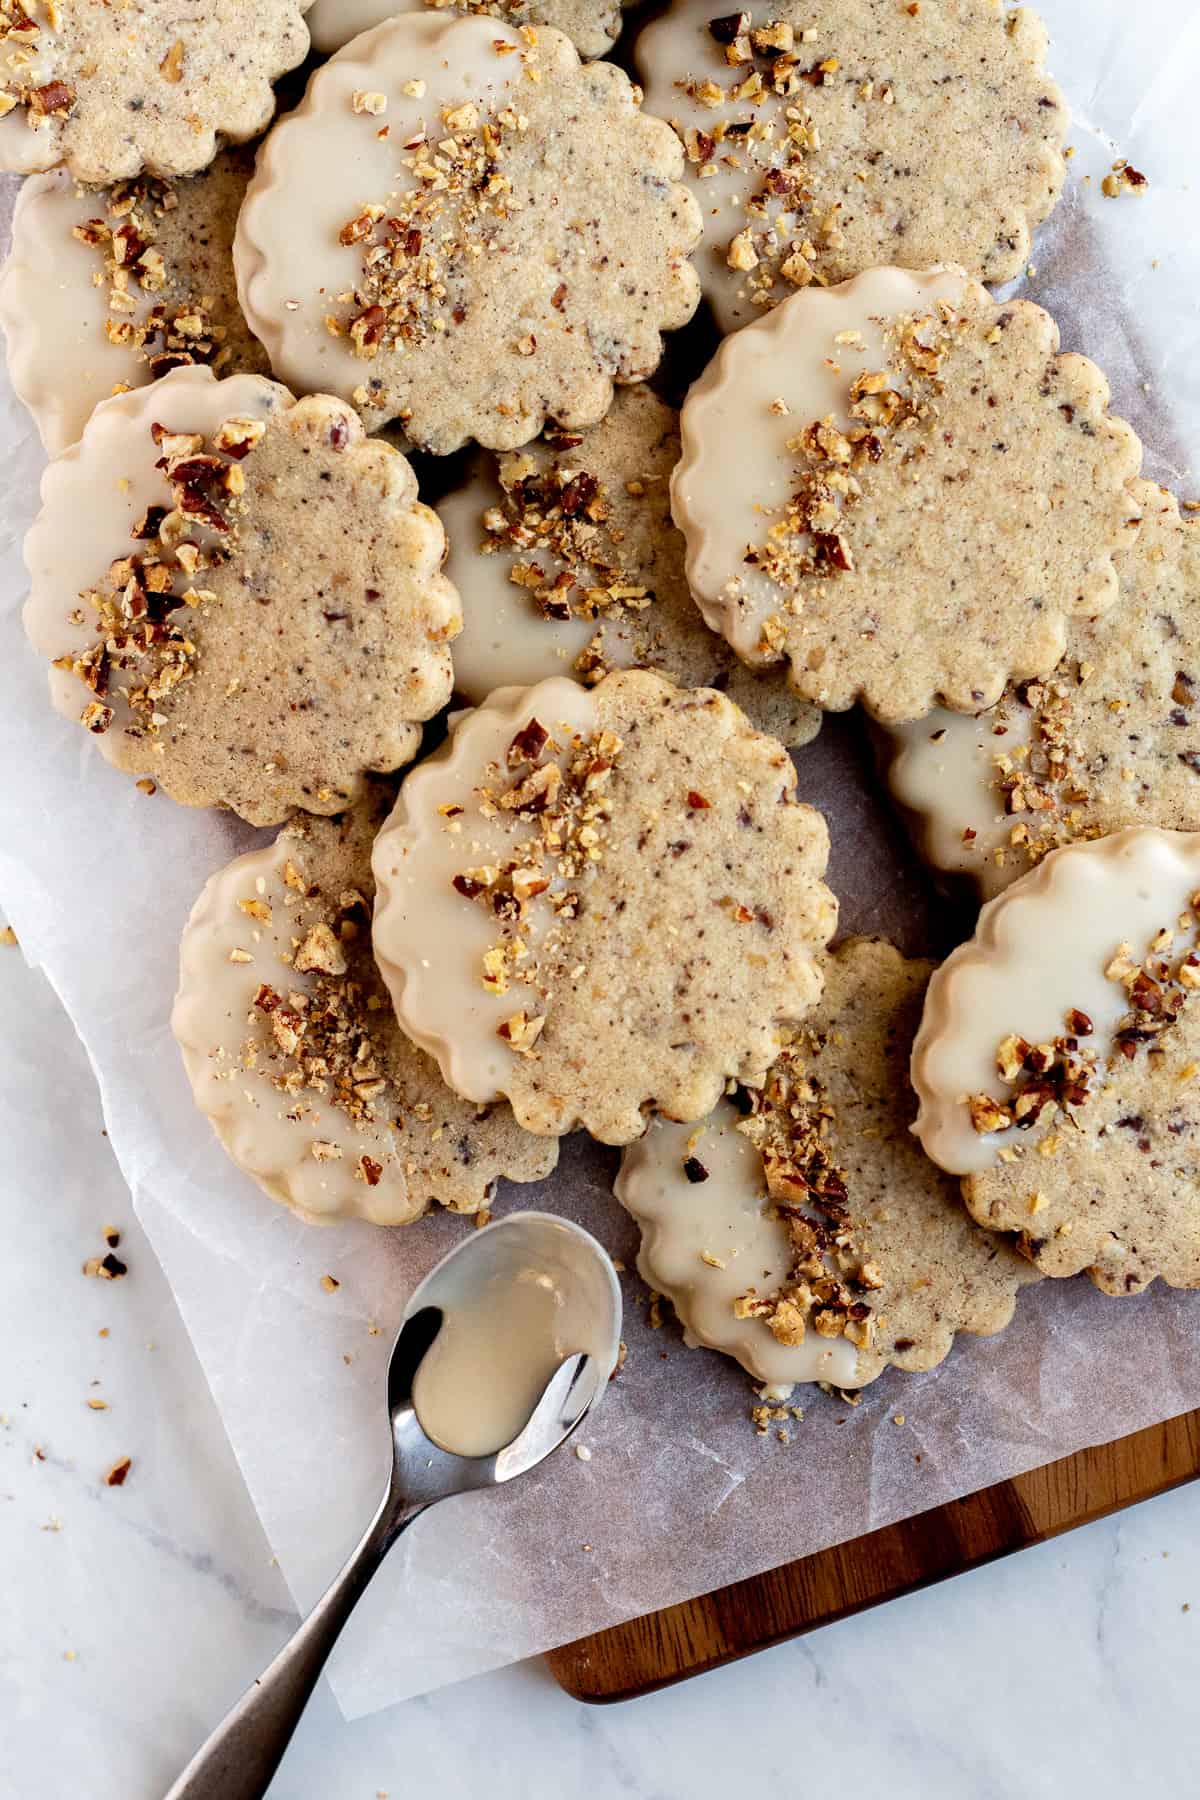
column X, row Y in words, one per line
column 900, row 488
column 602, row 903
column 1058, row 1062
column 154, row 85
column 464, row 229
column 568, row 562
column 825, row 137
column 294, row 1054
column 1111, row 738
column 593, row 26
column 107, row 288
column 800, row 1228
column 240, row 594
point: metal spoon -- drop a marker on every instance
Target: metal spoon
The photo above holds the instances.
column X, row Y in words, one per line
column 241, row 1756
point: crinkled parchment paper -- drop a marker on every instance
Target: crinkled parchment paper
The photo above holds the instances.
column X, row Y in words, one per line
column 679, row 1494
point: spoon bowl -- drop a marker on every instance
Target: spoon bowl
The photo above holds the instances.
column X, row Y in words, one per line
column 472, row 1356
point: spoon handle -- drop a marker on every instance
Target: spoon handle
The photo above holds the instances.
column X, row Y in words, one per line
column 243, row 1753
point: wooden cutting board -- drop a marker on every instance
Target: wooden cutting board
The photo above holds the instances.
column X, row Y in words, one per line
column 733, row 1621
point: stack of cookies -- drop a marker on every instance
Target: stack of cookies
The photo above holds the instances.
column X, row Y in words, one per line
column 597, row 899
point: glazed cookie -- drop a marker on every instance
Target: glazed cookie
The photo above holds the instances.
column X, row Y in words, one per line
column 152, row 85
column 295, row 1057
column 825, row 137
column 602, row 903
column 1058, row 1062
column 901, row 489
column 107, row 288
column 569, row 563
column 466, row 230
column 240, row 594
column 592, row 25
column 1112, row 738
column 799, row 1228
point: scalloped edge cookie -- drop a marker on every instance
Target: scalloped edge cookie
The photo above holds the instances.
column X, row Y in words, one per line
column 590, row 901
column 879, row 133
column 885, row 1268
column 819, row 448
column 278, row 946
column 223, row 716
column 142, row 103
column 540, row 323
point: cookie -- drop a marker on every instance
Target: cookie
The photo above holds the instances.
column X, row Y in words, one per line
column 294, row 1054
column 825, row 137
column 1111, row 738
column 465, row 229
column 569, row 563
column 153, row 85
column 900, row 488
column 800, row 1228
column 602, row 903
column 108, row 288
column 1058, row 1062
column 593, row 26
column 240, row 594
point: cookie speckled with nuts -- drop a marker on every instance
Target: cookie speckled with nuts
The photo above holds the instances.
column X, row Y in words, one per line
column 800, row 1228
column 568, row 562
column 1058, row 1062
column 901, row 489
column 154, row 85
column 1111, row 738
column 602, row 903
column 824, row 137
column 593, row 26
column 464, row 229
column 240, row 594
column 107, row 288
column 295, row 1056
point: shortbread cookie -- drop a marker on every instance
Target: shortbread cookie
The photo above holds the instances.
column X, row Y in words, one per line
column 1058, row 1062
column 465, row 229
column 240, row 594
column 108, row 288
column 569, row 563
column 294, row 1054
column 825, row 137
column 602, row 903
column 592, row 25
column 800, row 1228
column 900, row 488
column 1112, row 738
column 155, row 85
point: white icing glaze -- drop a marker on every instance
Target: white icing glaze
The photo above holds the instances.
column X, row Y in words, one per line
column 26, row 142
column 96, row 492
column 505, row 640
column 430, row 940
column 943, row 769
column 516, row 1304
column 53, row 314
column 726, row 1218
column 736, row 472
column 324, row 162
column 1039, row 950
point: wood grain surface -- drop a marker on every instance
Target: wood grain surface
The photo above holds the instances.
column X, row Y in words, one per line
column 716, row 1628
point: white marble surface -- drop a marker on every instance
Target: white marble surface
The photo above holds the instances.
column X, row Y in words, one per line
column 131, row 1617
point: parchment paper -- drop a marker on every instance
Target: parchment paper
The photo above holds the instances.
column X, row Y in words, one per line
column 679, row 1495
